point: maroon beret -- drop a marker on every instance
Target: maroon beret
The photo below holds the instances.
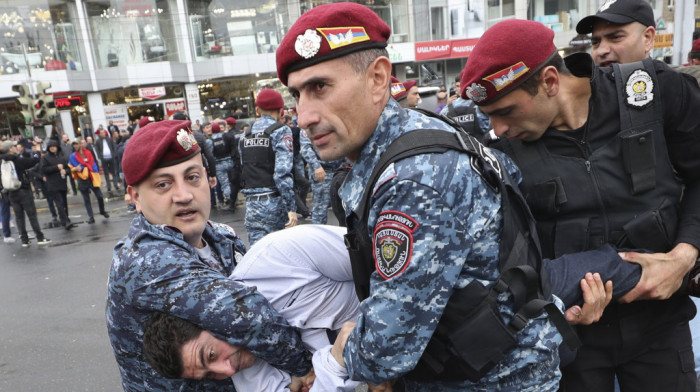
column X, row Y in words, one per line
column 327, row 32
column 497, row 66
column 215, row 128
column 269, row 99
column 696, row 46
column 160, row 144
column 230, row 121
column 145, row 121
column 398, row 90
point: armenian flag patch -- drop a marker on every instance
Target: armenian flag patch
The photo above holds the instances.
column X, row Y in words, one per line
column 342, row 36
column 504, row 77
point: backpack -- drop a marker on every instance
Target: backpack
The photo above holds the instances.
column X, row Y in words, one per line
column 10, row 181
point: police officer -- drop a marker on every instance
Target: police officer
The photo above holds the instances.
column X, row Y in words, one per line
column 175, row 260
column 267, row 160
column 223, row 146
column 435, row 224
column 469, row 117
column 321, row 173
column 608, row 156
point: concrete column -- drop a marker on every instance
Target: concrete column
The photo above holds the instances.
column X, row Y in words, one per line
column 194, row 107
column 97, row 110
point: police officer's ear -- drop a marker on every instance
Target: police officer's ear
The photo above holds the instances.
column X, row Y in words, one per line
column 648, row 37
column 549, row 81
column 378, row 79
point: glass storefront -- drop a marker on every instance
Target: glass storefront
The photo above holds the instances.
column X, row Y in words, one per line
column 38, row 35
column 132, row 31
column 559, row 15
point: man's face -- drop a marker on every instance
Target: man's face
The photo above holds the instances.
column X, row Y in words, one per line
column 412, row 97
column 329, row 97
column 64, row 137
column 111, row 122
column 614, row 43
column 207, row 357
column 89, row 139
column 176, row 196
column 520, row 115
column 53, row 149
column 77, row 146
column 207, row 130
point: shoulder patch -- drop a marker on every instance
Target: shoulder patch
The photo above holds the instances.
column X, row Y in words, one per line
column 289, row 142
column 639, row 89
column 396, row 217
column 393, row 247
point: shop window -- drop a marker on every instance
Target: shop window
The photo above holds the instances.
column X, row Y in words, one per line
column 138, row 31
column 499, row 10
column 559, row 15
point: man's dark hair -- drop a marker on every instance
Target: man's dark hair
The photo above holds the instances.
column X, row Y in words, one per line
column 694, row 55
column 163, row 338
column 532, row 84
column 180, row 116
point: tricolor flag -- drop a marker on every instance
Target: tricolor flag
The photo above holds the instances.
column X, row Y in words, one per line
column 342, row 36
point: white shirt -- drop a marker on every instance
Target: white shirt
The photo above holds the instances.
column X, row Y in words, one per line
column 305, row 273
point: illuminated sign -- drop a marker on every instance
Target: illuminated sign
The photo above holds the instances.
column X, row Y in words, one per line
column 68, row 102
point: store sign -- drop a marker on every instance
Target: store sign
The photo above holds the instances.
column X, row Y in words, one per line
column 446, row 49
column 663, row 41
column 174, row 107
column 67, row 102
column 402, row 52
column 118, row 114
column 135, row 8
column 152, row 92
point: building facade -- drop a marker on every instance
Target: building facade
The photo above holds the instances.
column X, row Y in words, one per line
column 121, row 59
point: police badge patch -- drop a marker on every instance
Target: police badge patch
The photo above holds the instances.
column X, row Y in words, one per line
column 289, row 142
column 639, row 89
column 393, row 243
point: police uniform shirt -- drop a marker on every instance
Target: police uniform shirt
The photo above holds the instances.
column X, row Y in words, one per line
column 155, row 269
column 283, row 147
column 305, row 273
column 436, row 227
column 483, row 122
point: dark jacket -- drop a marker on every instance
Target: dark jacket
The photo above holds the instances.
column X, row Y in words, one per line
column 99, row 145
column 22, row 164
column 49, row 169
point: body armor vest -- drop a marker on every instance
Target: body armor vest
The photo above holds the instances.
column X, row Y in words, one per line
column 465, row 116
column 258, row 156
column 221, row 149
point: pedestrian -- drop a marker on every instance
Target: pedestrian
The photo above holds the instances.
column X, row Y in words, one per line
column 85, row 171
column 301, row 183
column 54, row 167
column 607, row 155
column 433, row 225
column 267, row 159
column 111, row 128
column 87, row 131
column 107, row 154
column 174, row 260
column 441, row 100
column 21, row 199
column 6, row 217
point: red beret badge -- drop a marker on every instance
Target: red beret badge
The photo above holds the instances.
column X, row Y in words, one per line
column 476, row 92
column 186, row 139
column 308, row 44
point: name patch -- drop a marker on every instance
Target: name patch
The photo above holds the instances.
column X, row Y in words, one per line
column 257, row 142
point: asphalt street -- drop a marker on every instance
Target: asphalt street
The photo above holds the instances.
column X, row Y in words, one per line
column 52, row 298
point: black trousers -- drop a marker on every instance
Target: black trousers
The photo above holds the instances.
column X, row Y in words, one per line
column 22, row 202
column 664, row 363
column 59, row 200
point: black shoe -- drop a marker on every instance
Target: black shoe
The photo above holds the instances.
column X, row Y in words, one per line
column 91, row 220
column 25, row 244
column 69, row 226
column 105, row 214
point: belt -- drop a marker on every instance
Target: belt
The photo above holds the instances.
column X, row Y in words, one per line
column 264, row 196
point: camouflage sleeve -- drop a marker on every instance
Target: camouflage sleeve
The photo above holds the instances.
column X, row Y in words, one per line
column 308, row 151
column 228, row 309
column 420, row 248
column 284, row 163
column 483, row 121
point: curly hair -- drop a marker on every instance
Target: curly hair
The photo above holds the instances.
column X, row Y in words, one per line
column 163, row 338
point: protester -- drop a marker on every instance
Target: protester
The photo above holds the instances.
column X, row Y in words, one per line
column 85, row 171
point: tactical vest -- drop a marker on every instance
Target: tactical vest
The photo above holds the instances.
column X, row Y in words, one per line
column 220, row 149
column 465, row 116
column 624, row 193
column 258, row 157
column 471, row 337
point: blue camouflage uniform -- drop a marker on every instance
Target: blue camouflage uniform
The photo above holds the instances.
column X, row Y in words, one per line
column 224, row 166
column 483, row 122
column 454, row 239
column 270, row 214
column 155, row 269
column 320, row 190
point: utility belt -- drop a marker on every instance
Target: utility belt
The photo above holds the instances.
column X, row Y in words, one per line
column 263, row 196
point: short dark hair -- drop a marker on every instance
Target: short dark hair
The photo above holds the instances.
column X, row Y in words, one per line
column 164, row 336
column 360, row 60
column 532, row 84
